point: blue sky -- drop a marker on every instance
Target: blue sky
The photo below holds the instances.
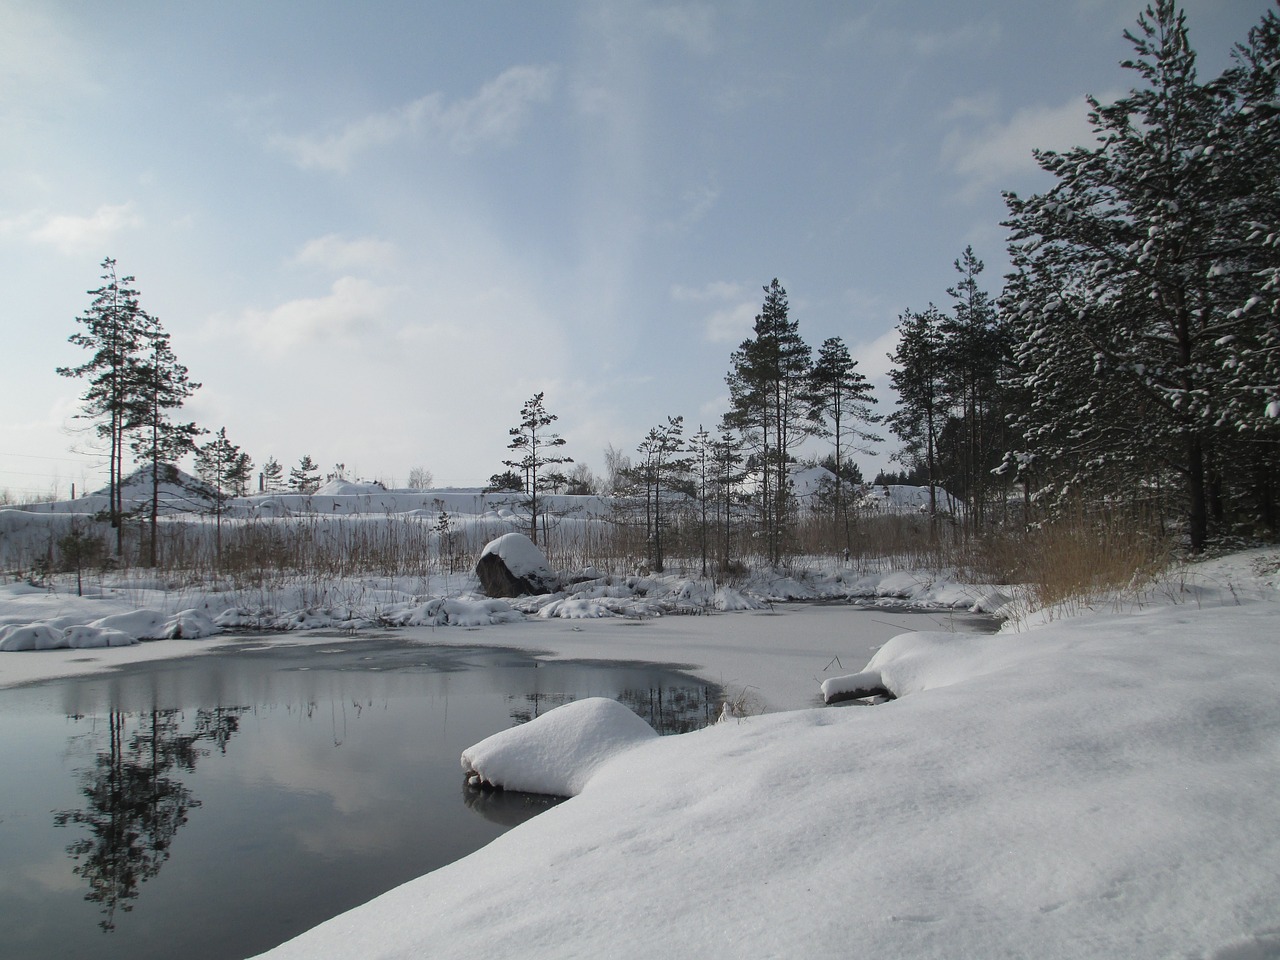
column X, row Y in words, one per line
column 374, row 230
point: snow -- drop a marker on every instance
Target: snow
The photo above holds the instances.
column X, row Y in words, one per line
column 1099, row 786
column 558, row 752
column 1098, row 781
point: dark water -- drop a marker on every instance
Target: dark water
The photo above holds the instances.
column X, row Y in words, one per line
column 214, row 807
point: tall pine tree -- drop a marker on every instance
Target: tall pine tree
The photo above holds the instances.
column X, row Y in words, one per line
column 770, row 406
column 159, row 441
column 918, row 378
column 114, row 330
column 842, row 396
column 1135, row 336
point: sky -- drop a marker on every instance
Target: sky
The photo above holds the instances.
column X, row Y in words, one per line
column 375, row 230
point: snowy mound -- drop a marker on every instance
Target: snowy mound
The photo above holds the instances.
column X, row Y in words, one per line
column 559, row 751
column 116, row 630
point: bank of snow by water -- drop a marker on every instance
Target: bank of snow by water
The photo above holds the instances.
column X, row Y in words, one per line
column 1099, row 787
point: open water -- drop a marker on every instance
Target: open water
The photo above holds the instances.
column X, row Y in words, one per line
column 210, row 808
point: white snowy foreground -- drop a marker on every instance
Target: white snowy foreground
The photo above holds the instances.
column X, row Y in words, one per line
column 1104, row 786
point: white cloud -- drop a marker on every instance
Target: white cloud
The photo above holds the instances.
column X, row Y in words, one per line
column 734, row 309
column 333, row 252
column 352, row 307
column 74, row 234
column 493, row 116
column 691, row 24
column 985, row 151
column 39, row 59
column 732, row 324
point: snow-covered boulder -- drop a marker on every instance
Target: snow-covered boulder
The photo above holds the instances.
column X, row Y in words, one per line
column 513, row 566
column 559, row 751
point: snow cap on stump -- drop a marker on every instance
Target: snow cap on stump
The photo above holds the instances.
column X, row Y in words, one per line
column 513, row 566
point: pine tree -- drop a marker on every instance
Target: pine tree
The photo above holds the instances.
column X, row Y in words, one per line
column 533, row 442
column 728, row 460
column 225, row 469
column 163, row 385
column 659, row 470
column 305, row 477
column 843, row 396
column 917, row 376
column 1134, row 334
column 974, row 357
column 272, row 475
column 769, row 405
column 114, row 330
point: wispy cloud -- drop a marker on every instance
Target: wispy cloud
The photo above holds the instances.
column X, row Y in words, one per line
column 733, row 309
column 72, row 234
column 862, row 32
column 985, row 150
column 694, row 204
column 352, row 307
column 333, row 252
column 693, row 25
column 493, row 116
column 40, row 58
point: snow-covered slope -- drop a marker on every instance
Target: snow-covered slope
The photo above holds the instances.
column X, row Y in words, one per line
column 1103, row 787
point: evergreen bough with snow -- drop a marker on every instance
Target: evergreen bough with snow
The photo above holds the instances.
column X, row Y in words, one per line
column 1144, row 300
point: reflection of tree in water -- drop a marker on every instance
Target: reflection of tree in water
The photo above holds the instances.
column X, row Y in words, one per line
column 530, row 706
column 674, row 709
column 134, row 804
column 669, row 709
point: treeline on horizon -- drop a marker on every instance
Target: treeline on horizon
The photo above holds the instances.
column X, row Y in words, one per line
column 1132, row 358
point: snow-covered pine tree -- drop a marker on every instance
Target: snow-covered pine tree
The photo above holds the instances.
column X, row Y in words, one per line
column 1248, row 156
column 1124, row 302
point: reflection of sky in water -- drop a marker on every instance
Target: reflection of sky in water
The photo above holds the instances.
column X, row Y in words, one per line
column 340, row 781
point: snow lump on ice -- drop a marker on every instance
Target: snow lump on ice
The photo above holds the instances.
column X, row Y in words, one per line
column 559, row 751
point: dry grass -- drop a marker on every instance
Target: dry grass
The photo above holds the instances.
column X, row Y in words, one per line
column 1081, row 557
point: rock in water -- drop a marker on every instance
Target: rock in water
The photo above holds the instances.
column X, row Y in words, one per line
column 513, row 566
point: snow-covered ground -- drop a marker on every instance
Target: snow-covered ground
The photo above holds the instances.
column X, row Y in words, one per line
column 1102, row 785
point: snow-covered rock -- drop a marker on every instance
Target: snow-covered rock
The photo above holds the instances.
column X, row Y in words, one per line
column 513, row 566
